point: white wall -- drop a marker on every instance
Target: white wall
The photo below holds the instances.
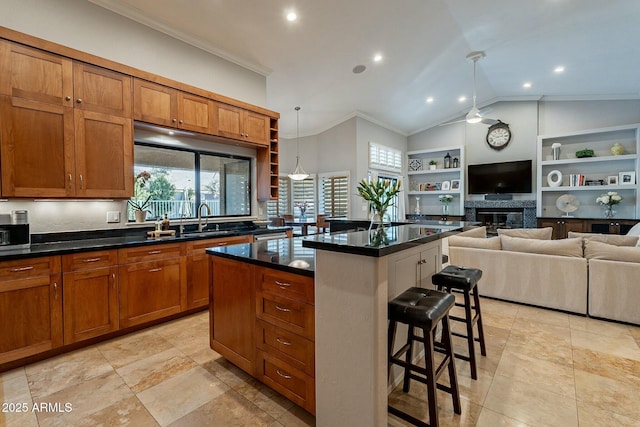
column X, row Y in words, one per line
column 89, row 28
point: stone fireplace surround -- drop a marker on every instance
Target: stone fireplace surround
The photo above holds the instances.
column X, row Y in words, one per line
column 528, row 207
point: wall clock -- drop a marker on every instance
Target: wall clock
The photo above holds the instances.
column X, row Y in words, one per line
column 498, row 135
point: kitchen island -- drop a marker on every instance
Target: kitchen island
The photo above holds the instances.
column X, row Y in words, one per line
column 355, row 274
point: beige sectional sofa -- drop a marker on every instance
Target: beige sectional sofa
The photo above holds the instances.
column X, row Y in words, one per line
column 598, row 275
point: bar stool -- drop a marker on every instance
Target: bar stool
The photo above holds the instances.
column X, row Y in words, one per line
column 423, row 308
column 465, row 280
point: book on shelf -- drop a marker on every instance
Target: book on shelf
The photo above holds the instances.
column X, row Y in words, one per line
column 576, row 180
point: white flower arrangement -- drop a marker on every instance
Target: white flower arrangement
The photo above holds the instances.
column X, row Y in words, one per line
column 446, row 198
column 609, row 199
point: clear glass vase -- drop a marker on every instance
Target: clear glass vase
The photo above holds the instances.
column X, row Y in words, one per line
column 445, row 209
column 609, row 212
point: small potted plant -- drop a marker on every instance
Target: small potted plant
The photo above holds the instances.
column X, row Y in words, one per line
column 432, row 165
column 140, row 207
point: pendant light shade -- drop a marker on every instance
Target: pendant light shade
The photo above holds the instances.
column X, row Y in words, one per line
column 298, row 173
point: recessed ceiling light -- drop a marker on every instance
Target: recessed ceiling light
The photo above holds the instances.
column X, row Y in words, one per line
column 171, row 132
column 462, row 98
column 430, row 100
column 559, row 69
column 292, row 16
column 526, row 85
column 358, row 69
column 377, row 57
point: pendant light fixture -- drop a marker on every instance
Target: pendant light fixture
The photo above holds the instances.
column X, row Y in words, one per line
column 298, row 173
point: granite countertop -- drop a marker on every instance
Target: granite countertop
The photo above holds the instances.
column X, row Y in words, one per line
column 65, row 243
column 281, row 254
column 382, row 242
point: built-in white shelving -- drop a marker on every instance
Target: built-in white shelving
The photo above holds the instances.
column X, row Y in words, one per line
column 602, row 167
column 420, row 179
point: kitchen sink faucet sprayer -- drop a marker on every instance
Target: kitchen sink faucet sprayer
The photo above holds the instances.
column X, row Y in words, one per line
column 200, row 225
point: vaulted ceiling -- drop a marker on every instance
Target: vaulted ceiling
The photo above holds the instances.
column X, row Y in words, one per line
column 423, row 44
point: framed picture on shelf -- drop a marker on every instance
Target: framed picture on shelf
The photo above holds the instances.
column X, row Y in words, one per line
column 626, row 178
column 612, row 180
column 455, row 184
column 415, row 164
column 445, row 186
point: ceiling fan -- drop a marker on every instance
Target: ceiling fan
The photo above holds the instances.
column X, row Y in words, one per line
column 475, row 115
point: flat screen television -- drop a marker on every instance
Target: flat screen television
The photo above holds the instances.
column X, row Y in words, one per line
column 500, row 178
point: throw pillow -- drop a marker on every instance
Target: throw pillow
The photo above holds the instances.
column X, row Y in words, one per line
column 611, row 239
column 475, row 232
column 527, row 233
column 474, row 242
column 562, row 247
column 599, row 250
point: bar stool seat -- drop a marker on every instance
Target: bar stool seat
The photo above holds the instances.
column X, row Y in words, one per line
column 465, row 280
column 424, row 309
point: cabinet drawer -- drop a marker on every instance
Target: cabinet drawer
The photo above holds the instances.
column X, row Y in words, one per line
column 290, row 347
column 30, row 267
column 89, row 260
column 286, row 284
column 149, row 253
column 199, row 246
column 292, row 315
column 290, row 382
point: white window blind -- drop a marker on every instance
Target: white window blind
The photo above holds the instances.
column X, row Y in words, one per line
column 334, row 195
column 382, row 157
column 277, row 208
column 304, row 191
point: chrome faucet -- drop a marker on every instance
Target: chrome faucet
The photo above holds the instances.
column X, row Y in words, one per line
column 201, row 226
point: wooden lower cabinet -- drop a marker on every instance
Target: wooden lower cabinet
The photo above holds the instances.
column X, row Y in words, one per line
column 90, row 295
column 30, row 307
column 262, row 320
column 562, row 226
column 198, row 271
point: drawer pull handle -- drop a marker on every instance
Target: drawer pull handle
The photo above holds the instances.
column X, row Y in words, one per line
column 283, row 284
column 153, row 252
column 283, row 342
column 283, row 308
column 153, row 270
column 91, row 259
column 285, row 376
column 18, row 269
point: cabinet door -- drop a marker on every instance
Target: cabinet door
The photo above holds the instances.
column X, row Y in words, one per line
column 198, row 280
column 230, row 121
column 553, row 223
column 101, row 90
column 195, row 113
column 30, row 315
column 36, row 75
column 151, row 290
column 256, row 128
column 153, row 103
column 37, row 149
column 104, row 155
column 232, row 312
column 575, row 225
column 90, row 303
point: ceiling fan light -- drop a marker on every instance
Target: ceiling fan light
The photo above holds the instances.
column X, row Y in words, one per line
column 474, row 116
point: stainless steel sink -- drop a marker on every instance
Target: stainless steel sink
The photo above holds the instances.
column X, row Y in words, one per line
column 208, row 233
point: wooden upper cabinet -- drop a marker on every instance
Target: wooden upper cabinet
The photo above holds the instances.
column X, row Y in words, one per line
column 103, row 155
column 162, row 105
column 37, row 149
column 34, row 74
column 238, row 123
column 101, row 90
column 153, row 103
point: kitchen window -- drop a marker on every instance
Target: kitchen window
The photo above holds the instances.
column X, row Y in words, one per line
column 177, row 181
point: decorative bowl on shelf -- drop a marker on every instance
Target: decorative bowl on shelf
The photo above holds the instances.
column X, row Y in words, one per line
column 584, row 153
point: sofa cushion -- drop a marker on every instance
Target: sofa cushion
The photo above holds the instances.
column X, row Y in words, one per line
column 475, row 242
column 599, row 250
column 475, row 232
column 612, row 239
column 527, row 233
column 563, row 247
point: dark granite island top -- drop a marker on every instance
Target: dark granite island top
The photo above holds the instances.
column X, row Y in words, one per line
column 281, row 254
column 386, row 241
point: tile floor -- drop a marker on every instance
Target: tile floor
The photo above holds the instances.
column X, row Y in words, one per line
column 543, row 368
